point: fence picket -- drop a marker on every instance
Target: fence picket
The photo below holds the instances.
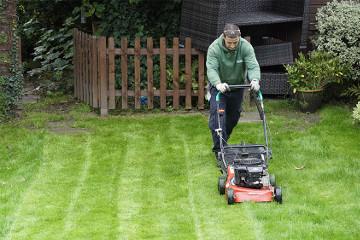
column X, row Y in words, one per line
column 176, row 73
column 86, row 69
column 94, row 72
column 103, row 80
column 111, row 57
column 150, row 73
column 162, row 73
column 137, row 72
column 75, row 61
column 82, row 68
column 124, row 74
column 188, row 73
column 90, row 71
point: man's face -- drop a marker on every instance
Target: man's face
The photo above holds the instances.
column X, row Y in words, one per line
column 231, row 43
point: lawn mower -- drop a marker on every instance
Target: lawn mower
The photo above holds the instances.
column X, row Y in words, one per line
column 244, row 167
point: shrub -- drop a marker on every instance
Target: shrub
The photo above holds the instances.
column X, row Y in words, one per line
column 314, row 71
column 338, row 26
column 356, row 113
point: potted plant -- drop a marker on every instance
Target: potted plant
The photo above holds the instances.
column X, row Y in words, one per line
column 310, row 74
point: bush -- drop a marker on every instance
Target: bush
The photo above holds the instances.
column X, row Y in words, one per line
column 338, row 26
column 315, row 71
column 356, row 113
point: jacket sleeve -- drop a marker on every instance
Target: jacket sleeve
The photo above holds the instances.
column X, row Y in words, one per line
column 252, row 65
column 212, row 65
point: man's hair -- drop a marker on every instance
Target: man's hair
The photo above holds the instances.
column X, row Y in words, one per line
column 231, row 30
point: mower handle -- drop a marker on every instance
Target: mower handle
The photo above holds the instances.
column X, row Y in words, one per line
column 239, row 86
column 259, row 96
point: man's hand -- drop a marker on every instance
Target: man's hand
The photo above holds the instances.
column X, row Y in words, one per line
column 222, row 87
column 254, row 85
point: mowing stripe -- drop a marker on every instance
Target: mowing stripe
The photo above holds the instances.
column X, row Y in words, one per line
column 190, row 184
column 257, row 226
column 69, row 218
column 19, row 208
column 163, row 220
column 129, row 187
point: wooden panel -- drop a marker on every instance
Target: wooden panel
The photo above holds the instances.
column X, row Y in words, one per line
column 75, row 61
column 82, row 66
column 137, row 72
column 150, row 73
column 124, row 73
column 162, row 73
column 176, row 73
column 94, row 64
column 79, row 66
column 188, row 74
column 103, row 80
column 111, row 57
column 90, row 71
column 86, row 68
column 201, row 84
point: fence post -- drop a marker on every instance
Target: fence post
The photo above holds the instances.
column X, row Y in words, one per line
column 162, row 72
column 137, row 72
column 201, row 84
column 103, row 80
column 111, row 73
column 188, row 73
column 150, row 73
column 124, row 74
column 176, row 73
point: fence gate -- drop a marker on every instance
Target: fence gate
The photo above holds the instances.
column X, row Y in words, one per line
column 95, row 60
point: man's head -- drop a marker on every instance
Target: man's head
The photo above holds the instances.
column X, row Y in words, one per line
column 231, row 36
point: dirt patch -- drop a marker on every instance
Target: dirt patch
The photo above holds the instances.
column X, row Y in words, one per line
column 60, row 107
column 65, row 127
column 307, row 119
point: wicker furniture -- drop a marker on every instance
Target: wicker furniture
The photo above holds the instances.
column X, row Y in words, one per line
column 274, row 83
column 277, row 30
column 204, row 20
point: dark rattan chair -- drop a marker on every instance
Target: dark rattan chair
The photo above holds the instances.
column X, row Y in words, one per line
column 274, row 83
column 203, row 20
column 277, row 29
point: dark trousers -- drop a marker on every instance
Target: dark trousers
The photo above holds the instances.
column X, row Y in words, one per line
column 230, row 103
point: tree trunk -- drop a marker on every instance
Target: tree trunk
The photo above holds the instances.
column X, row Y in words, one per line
column 7, row 26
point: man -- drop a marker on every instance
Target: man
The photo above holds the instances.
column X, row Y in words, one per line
column 229, row 58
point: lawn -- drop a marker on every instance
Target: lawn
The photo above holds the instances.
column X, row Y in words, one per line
column 66, row 173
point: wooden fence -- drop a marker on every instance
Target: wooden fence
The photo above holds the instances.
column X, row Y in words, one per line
column 94, row 72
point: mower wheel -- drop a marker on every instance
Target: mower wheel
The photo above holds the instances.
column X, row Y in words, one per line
column 272, row 180
column 221, row 184
column 278, row 195
column 230, row 196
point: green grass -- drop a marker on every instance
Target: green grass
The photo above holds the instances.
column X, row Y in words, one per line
column 73, row 175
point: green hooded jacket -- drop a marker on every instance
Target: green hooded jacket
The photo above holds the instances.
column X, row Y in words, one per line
column 230, row 66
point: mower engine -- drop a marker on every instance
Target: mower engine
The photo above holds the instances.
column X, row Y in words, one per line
column 249, row 172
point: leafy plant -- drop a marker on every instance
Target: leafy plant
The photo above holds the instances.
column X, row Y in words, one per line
column 315, row 71
column 338, row 26
column 356, row 113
